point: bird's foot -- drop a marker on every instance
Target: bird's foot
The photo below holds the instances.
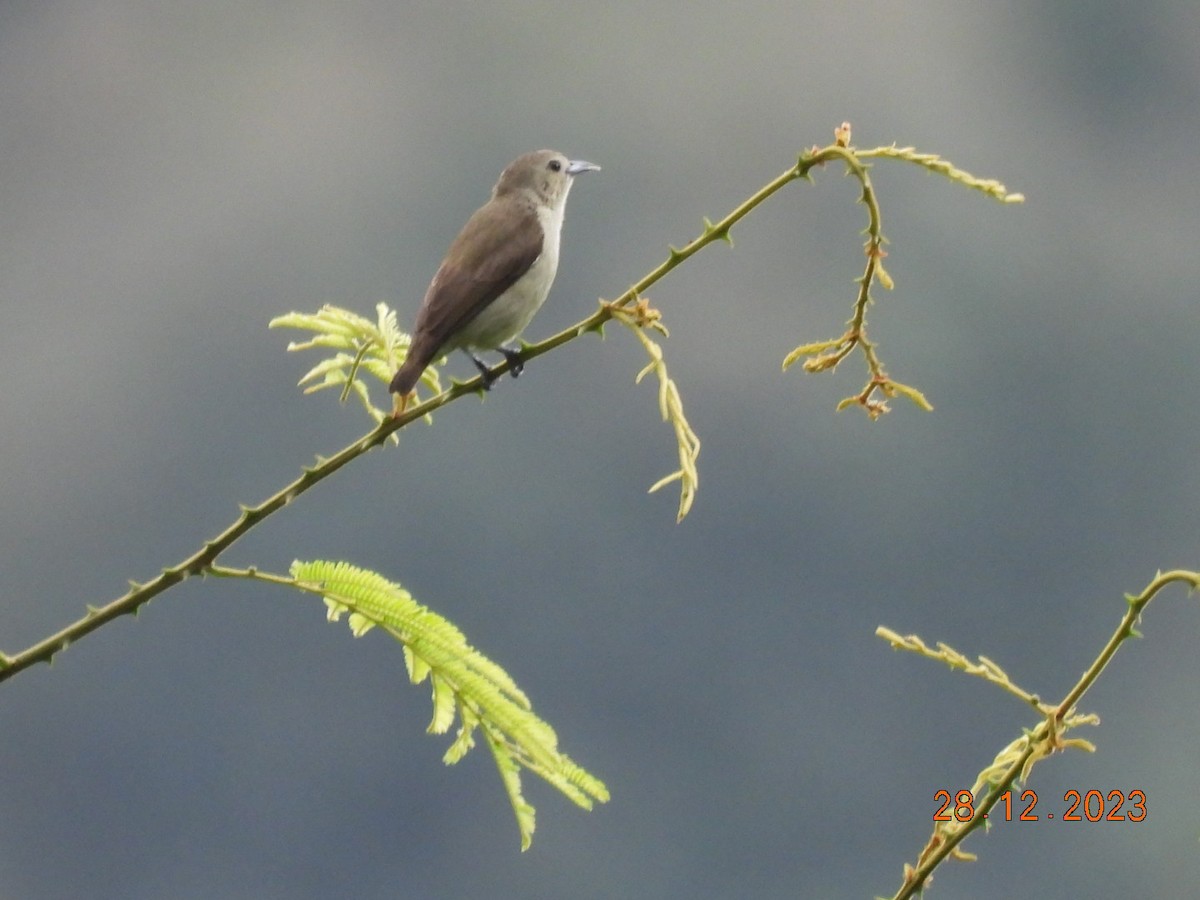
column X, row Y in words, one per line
column 489, row 377
column 516, row 365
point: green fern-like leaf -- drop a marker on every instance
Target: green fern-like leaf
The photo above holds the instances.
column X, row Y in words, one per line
column 466, row 685
column 638, row 319
column 362, row 348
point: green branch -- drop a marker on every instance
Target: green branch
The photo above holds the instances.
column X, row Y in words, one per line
column 1014, row 763
column 466, row 684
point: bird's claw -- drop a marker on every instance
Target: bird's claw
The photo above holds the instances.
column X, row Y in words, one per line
column 515, row 366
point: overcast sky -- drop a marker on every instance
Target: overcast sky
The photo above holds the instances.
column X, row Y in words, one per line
column 174, row 176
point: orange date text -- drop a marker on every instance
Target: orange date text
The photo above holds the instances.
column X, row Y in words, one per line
column 1078, row 806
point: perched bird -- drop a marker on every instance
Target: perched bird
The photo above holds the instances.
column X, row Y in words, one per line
column 498, row 270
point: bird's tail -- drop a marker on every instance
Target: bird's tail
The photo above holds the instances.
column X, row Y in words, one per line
column 407, row 375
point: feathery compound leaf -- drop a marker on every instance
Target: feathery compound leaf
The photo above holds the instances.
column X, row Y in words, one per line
column 444, row 706
column 809, row 350
column 670, row 405
column 895, row 387
column 464, row 682
column 936, row 164
column 510, row 776
column 364, row 347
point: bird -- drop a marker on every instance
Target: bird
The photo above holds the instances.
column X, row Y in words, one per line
column 498, row 271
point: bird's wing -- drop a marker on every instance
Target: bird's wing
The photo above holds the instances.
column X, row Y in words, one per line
column 495, row 248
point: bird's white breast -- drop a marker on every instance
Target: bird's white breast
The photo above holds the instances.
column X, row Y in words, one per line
column 509, row 314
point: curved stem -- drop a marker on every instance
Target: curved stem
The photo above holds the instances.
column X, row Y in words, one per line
column 250, row 516
column 1041, row 741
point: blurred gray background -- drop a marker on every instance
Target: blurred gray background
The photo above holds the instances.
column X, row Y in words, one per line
column 174, row 176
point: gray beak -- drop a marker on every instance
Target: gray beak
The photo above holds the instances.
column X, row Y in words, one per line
column 575, row 166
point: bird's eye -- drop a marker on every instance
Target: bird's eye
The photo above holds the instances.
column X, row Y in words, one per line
column 555, row 165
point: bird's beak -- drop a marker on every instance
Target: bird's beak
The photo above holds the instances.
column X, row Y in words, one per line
column 575, row 166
